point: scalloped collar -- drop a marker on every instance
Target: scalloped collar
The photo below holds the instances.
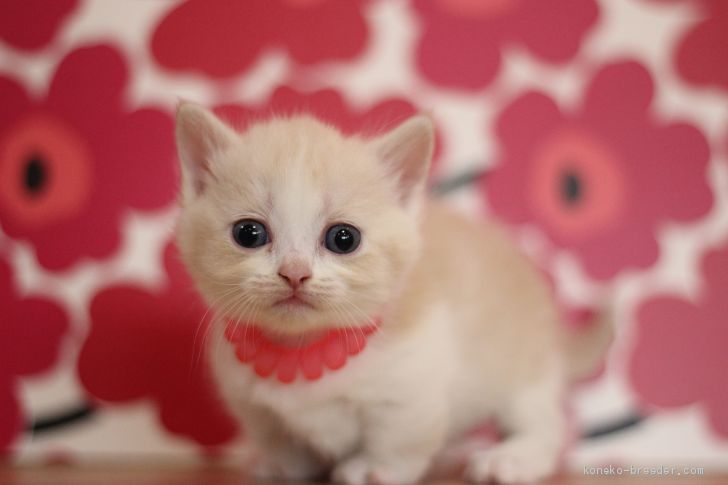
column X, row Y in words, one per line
column 310, row 361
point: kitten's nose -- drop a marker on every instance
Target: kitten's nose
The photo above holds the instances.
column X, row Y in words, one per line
column 295, row 273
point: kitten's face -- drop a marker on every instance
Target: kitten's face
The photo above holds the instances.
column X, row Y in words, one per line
column 294, row 227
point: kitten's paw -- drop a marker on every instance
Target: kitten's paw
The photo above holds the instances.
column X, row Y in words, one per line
column 361, row 470
column 290, row 467
column 511, row 462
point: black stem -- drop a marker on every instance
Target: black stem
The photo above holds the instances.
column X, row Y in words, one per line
column 455, row 182
column 623, row 423
column 70, row 416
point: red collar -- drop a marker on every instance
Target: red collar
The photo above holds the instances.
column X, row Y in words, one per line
column 268, row 357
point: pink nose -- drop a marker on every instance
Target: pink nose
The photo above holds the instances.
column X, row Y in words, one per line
column 295, row 273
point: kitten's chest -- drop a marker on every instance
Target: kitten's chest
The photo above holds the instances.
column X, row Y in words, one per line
column 332, row 427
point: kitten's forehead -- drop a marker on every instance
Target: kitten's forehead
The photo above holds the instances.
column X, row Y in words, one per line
column 301, row 172
column 297, row 199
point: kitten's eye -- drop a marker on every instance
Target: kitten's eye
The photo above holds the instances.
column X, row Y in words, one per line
column 342, row 238
column 250, row 234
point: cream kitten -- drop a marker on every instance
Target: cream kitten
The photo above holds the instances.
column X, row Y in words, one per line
column 468, row 329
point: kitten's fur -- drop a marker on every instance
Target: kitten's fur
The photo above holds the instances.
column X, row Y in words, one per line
column 469, row 329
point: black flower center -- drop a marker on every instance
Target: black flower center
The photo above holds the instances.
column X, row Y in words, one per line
column 35, row 175
column 571, row 187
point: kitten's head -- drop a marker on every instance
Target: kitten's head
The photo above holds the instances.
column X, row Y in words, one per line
column 294, row 226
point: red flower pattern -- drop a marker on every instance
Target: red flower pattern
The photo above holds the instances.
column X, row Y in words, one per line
column 148, row 345
column 599, row 180
column 680, row 353
column 700, row 56
column 71, row 164
column 31, row 331
column 32, row 24
column 462, row 39
column 191, row 35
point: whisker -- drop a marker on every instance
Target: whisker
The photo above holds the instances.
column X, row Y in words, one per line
column 237, row 305
column 199, row 340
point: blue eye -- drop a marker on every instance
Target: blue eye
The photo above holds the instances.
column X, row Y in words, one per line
column 342, row 238
column 250, row 234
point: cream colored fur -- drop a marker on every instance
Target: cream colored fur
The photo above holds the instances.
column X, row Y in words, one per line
column 469, row 330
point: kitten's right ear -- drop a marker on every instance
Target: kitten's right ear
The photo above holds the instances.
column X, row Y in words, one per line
column 200, row 134
column 406, row 152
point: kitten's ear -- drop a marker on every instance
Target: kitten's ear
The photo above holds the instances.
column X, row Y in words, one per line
column 407, row 152
column 199, row 135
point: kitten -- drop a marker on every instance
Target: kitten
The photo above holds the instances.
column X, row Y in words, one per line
column 291, row 231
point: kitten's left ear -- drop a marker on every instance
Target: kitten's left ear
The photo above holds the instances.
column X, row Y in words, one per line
column 200, row 135
column 407, row 153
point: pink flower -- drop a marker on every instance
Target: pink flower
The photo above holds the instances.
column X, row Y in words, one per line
column 148, row 345
column 32, row 24
column 680, row 353
column 700, row 57
column 463, row 39
column 599, row 180
column 31, row 331
column 73, row 163
column 222, row 39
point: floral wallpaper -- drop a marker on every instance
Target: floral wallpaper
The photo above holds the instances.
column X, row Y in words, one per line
column 597, row 131
column 82, row 159
column 463, row 40
column 599, row 180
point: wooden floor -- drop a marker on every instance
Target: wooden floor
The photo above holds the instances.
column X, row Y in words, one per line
column 216, row 475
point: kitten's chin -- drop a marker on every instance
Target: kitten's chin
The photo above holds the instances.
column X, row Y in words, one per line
column 292, row 317
column 293, row 311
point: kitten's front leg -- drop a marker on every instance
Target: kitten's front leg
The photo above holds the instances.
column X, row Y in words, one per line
column 280, row 455
column 400, row 440
column 537, row 427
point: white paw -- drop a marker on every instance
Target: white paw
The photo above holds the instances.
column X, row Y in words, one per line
column 511, row 462
column 362, row 470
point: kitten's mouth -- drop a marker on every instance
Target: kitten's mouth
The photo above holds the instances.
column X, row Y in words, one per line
column 294, row 301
